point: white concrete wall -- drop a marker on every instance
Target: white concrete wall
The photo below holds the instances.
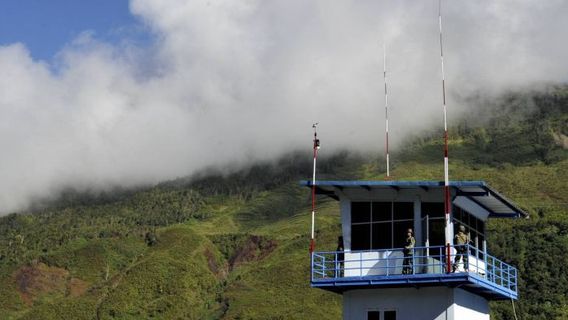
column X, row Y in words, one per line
column 345, row 209
column 418, row 222
column 469, row 306
column 436, row 303
column 373, row 263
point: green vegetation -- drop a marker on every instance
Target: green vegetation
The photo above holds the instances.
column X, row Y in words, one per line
column 234, row 246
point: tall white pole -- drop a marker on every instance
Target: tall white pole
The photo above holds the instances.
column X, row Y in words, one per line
column 386, row 112
column 447, row 196
column 316, row 147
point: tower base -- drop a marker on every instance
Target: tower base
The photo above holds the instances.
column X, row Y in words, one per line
column 436, row 303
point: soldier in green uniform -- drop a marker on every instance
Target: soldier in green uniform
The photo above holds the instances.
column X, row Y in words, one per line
column 340, row 258
column 461, row 240
column 407, row 263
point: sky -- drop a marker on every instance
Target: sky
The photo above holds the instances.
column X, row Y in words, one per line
column 45, row 27
column 100, row 94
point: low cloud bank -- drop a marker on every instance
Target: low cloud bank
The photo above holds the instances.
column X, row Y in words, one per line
column 232, row 82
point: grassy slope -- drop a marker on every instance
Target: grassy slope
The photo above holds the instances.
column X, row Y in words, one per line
column 129, row 280
column 173, row 279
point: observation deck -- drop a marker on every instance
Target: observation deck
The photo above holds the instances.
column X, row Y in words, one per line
column 485, row 275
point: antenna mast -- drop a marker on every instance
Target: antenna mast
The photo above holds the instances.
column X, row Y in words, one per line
column 447, row 195
column 316, row 148
column 386, row 111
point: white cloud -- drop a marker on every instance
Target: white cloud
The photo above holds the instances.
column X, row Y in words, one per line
column 236, row 81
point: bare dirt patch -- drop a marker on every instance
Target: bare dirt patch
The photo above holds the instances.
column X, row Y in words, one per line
column 39, row 279
column 77, row 287
column 252, row 249
column 215, row 266
column 241, row 248
column 35, row 280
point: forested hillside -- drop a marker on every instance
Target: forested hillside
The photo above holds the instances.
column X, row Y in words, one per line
column 235, row 246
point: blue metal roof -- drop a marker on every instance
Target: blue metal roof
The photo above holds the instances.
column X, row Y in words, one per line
column 476, row 191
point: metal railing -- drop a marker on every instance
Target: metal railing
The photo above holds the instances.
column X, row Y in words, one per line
column 340, row 265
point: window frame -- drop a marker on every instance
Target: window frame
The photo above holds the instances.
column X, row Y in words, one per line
column 477, row 236
column 375, row 223
column 382, row 313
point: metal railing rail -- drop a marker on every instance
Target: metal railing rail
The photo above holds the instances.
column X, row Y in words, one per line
column 337, row 265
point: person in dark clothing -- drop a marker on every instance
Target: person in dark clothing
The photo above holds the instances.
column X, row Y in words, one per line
column 407, row 263
column 340, row 258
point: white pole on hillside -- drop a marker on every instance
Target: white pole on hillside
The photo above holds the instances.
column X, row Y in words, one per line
column 316, row 148
column 447, row 196
column 386, row 112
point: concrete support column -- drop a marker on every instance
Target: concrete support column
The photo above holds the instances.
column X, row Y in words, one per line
column 346, row 222
column 418, row 221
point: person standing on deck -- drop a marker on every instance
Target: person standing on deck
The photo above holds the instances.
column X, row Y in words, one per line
column 408, row 252
column 461, row 241
column 339, row 258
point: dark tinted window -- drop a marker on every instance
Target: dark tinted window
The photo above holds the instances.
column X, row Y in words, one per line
column 458, row 214
column 382, row 235
column 433, row 209
column 403, row 210
column 372, row 224
column 382, row 211
column 360, row 212
column 360, row 237
column 474, row 226
column 437, row 232
column 373, row 315
column 476, row 223
column 390, row 315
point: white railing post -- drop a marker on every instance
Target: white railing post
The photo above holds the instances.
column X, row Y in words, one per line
column 360, row 264
column 412, row 260
column 312, row 263
column 336, row 265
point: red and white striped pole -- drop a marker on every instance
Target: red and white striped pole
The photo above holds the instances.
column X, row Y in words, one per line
column 386, row 112
column 447, row 196
column 316, row 148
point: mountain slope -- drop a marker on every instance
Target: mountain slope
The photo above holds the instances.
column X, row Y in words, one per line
column 235, row 246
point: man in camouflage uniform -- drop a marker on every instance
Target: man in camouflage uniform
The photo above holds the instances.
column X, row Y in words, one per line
column 461, row 240
column 407, row 263
column 340, row 258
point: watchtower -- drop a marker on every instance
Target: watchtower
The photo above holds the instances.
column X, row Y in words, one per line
column 375, row 216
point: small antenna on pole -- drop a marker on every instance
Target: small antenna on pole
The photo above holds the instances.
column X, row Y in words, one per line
column 447, row 203
column 316, row 148
column 386, row 112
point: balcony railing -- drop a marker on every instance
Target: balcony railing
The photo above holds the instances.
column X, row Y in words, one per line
column 382, row 265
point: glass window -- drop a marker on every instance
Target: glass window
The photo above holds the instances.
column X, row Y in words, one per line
column 360, row 212
column 458, row 214
column 360, row 237
column 373, row 315
column 390, row 315
column 433, row 209
column 382, row 235
column 382, row 211
column 437, row 232
column 372, row 224
column 403, row 210
column 474, row 226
